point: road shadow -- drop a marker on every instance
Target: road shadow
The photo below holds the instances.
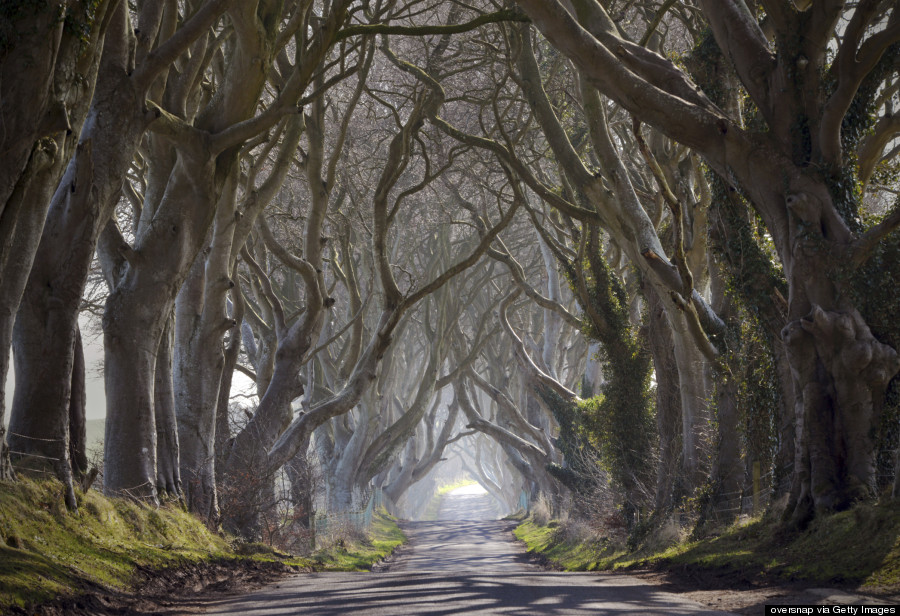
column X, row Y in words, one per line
column 435, row 594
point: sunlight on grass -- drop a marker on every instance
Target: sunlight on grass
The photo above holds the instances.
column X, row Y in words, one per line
column 359, row 554
column 860, row 547
column 47, row 552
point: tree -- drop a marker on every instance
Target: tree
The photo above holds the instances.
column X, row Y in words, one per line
column 53, row 63
column 45, row 329
column 800, row 176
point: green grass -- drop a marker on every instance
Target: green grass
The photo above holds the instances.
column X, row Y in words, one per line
column 858, row 548
column 569, row 555
column 431, row 510
column 48, row 552
column 360, row 554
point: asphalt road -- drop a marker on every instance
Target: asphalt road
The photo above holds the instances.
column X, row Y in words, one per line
column 461, row 564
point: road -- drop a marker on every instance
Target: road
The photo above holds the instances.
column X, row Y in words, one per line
column 461, row 564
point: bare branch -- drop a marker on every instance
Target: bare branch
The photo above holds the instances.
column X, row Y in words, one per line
column 864, row 246
column 266, row 284
column 164, row 55
column 501, row 16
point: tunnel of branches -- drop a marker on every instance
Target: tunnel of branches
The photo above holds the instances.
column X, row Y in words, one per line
column 623, row 261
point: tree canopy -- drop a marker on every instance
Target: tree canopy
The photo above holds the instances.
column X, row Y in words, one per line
column 619, row 255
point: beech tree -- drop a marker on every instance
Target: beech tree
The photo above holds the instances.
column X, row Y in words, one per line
column 265, row 443
column 795, row 164
column 627, row 248
column 80, row 208
column 53, row 63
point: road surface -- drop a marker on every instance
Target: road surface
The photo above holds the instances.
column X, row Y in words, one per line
column 464, row 563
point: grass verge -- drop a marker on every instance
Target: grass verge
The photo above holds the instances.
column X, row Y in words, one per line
column 858, row 548
column 360, row 553
column 110, row 544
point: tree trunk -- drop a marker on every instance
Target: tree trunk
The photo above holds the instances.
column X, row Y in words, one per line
column 131, row 342
column 785, row 455
column 20, row 233
column 403, row 480
column 694, row 388
column 841, row 372
column 798, row 177
column 726, row 474
column 668, row 400
column 552, row 319
column 198, row 372
column 43, row 114
column 303, row 480
column 46, row 326
column 232, row 351
column 168, row 469
column 247, row 473
column 201, row 305
column 77, row 411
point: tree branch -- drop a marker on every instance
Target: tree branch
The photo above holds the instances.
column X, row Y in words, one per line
column 164, row 55
column 266, row 283
column 505, row 15
column 865, row 245
column 852, row 64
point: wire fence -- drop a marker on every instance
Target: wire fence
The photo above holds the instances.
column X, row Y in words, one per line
column 753, row 499
column 32, row 463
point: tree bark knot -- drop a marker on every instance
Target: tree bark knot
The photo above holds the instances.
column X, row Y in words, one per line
column 845, row 346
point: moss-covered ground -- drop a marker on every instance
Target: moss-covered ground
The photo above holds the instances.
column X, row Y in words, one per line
column 359, row 554
column 47, row 552
column 858, row 548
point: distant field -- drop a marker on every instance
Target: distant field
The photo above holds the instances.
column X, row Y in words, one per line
column 95, row 430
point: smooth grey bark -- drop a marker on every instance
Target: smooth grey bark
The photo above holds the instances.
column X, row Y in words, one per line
column 401, row 480
column 44, row 334
column 351, row 432
column 135, row 318
column 43, row 352
column 77, row 411
column 130, row 360
column 42, row 116
column 201, row 323
column 79, row 211
column 668, row 400
column 15, row 264
column 232, row 351
column 168, row 473
column 552, row 319
column 168, row 244
column 694, row 388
